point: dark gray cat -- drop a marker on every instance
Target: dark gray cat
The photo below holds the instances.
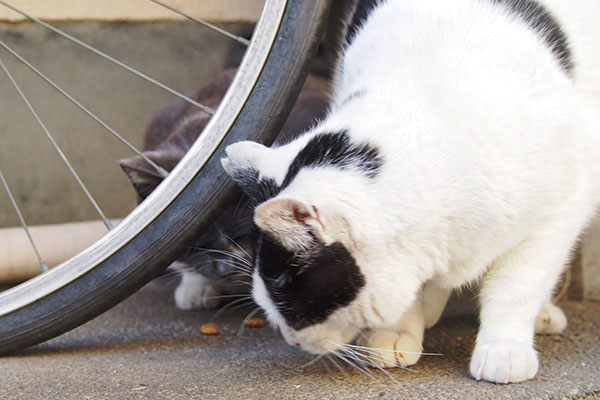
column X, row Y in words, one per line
column 213, row 264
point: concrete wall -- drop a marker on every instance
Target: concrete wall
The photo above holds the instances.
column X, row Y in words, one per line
column 589, row 255
column 133, row 10
column 182, row 55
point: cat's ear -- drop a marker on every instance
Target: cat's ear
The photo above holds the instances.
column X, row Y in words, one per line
column 293, row 222
column 144, row 177
column 242, row 164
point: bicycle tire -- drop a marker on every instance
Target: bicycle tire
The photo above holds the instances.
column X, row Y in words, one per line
column 27, row 320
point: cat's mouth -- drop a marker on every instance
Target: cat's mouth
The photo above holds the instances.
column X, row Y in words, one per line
column 319, row 340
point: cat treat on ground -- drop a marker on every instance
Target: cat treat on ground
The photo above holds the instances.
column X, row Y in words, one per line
column 255, row 323
column 209, row 329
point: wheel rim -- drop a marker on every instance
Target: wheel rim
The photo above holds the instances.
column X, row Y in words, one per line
column 140, row 218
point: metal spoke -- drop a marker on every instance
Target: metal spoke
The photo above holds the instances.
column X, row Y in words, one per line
column 157, row 167
column 56, row 147
column 43, row 265
column 204, row 108
column 223, row 32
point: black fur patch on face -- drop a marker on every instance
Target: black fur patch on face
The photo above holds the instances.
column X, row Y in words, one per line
column 257, row 189
column 542, row 21
column 307, row 287
column 335, row 150
column 267, row 189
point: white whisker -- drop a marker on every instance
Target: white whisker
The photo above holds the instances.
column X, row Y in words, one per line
column 359, row 368
column 368, row 360
column 229, row 254
column 229, row 306
column 328, row 356
column 390, row 350
column 375, row 356
column 250, row 315
column 233, row 264
column 249, row 284
column 236, row 274
column 230, row 296
column 236, row 244
column 370, row 355
column 313, row 361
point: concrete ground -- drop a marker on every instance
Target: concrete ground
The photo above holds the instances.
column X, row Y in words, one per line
column 145, row 348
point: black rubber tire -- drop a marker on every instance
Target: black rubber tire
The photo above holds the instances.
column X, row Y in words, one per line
column 147, row 254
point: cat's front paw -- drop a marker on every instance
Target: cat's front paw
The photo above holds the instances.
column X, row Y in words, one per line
column 504, row 361
column 389, row 349
column 197, row 293
column 550, row 320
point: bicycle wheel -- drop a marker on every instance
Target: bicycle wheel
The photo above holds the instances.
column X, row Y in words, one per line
column 151, row 237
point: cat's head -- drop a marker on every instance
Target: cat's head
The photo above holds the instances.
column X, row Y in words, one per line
column 315, row 280
column 174, row 129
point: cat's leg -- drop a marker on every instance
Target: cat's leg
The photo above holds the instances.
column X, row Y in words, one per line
column 434, row 302
column 550, row 320
column 512, row 295
column 399, row 345
column 196, row 291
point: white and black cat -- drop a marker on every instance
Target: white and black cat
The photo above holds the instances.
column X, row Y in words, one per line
column 212, row 264
column 462, row 145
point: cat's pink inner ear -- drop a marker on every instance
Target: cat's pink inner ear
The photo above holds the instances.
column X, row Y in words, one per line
column 301, row 213
column 284, row 211
column 273, row 212
column 307, row 215
column 288, row 220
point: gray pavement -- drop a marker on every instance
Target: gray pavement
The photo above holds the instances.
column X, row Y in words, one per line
column 147, row 349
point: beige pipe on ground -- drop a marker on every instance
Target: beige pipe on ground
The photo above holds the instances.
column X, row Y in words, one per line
column 56, row 243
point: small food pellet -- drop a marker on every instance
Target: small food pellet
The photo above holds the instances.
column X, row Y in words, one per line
column 255, row 323
column 209, row 329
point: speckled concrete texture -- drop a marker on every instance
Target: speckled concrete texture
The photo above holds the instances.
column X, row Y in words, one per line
column 147, row 349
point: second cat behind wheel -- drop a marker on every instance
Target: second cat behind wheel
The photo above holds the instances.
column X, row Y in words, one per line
column 215, row 263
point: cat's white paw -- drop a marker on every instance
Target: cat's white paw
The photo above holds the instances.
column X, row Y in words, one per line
column 197, row 292
column 503, row 362
column 389, row 349
column 550, row 320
